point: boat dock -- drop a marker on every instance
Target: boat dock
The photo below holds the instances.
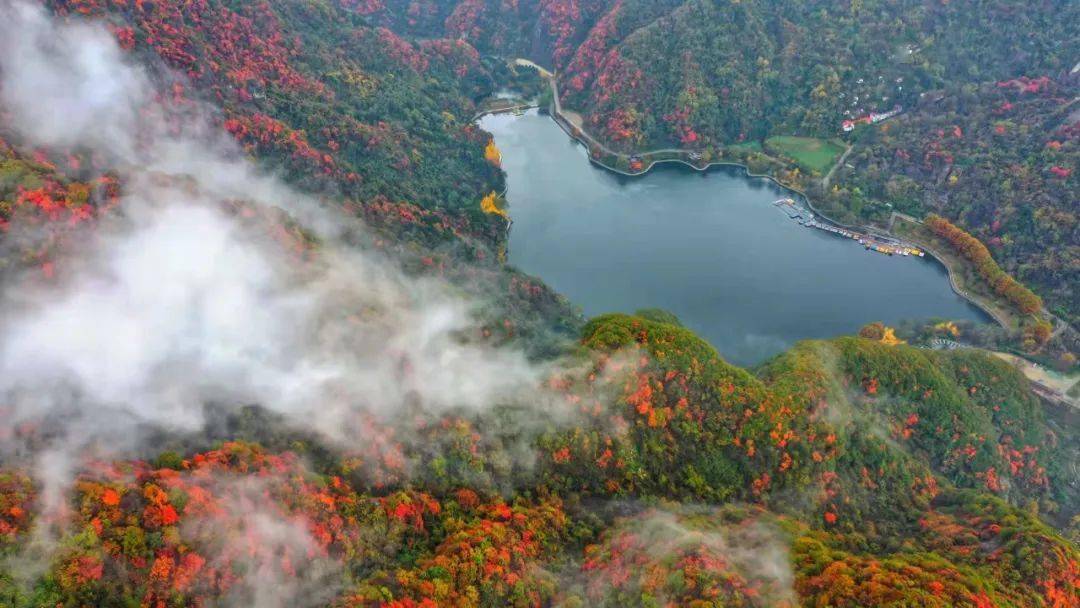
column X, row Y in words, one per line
column 805, row 217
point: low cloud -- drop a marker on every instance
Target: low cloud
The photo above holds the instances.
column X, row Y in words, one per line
column 740, row 555
column 281, row 563
column 68, row 86
column 177, row 299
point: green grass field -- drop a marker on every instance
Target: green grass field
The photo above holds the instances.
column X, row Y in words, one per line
column 810, row 153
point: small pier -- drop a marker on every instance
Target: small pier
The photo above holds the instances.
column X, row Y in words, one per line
column 805, row 217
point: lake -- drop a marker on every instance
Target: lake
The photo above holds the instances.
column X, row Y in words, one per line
column 709, row 247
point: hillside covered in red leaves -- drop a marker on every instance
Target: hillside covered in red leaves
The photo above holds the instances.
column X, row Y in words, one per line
column 999, row 159
column 721, row 78
column 885, row 481
column 259, row 347
column 334, row 103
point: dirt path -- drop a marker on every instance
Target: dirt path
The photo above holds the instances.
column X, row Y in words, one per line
column 828, row 176
column 574, row 118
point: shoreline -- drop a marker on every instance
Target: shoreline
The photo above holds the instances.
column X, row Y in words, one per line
column 938, row 258
column 993, row 314
column 522, row 106
column 583, row 140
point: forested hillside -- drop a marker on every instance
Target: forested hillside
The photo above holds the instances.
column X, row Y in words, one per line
column 709, row 74
column 342, row 109
column 988, row 138
column 339, row 105
column 1000, row 159
column 259, row 347
column 842, row 464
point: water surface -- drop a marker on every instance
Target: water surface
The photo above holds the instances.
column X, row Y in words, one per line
column 710, row 247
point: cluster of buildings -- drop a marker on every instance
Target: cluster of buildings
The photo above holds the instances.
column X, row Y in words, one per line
column 869, row 119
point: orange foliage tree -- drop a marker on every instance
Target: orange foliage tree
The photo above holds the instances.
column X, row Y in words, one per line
column 975, row 252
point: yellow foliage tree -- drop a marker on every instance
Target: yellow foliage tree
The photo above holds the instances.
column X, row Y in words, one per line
column 880, row 332
column 947, row 327
column 489, row 204
column 492, row 154
column 889, row 337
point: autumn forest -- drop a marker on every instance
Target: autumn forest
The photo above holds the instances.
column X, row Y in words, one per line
column 260, row 345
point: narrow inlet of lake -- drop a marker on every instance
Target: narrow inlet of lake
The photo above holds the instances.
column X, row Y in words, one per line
column 710, row 247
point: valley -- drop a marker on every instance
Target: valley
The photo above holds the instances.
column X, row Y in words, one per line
column 290, row 319
column 711, row 248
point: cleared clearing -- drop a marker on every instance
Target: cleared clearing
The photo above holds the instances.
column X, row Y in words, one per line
column 810, row 153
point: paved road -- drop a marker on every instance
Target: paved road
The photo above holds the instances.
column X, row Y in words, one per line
column 558, row 113
column 1052, row 384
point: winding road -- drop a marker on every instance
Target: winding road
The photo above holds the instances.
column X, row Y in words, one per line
column 575, row 129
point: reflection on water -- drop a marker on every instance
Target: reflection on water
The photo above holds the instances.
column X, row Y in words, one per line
column 710, row 247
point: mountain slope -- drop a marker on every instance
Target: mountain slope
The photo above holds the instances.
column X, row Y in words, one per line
column 835, row 445
column 711, row 73
column 1000, row 159
column 258, row 349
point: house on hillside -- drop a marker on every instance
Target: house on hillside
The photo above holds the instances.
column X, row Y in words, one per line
column 870, row 119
